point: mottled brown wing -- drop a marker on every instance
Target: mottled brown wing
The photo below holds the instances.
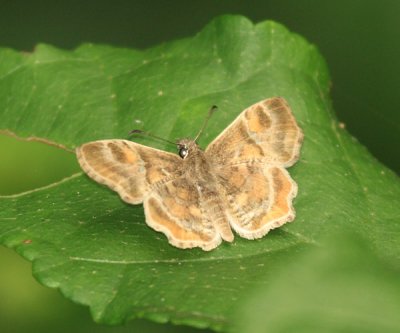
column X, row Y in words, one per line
column 249, row 158
column 259, row 197
column 138, row 173
column 266, row 131
column 177, row 209
column 128, row 168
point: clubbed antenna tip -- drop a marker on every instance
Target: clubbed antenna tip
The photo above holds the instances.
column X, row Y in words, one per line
column 210, row 113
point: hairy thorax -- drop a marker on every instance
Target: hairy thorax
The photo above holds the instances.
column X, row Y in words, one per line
column 196, row 166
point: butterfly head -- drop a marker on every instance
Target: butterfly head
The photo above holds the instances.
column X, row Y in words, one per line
column 186, row 147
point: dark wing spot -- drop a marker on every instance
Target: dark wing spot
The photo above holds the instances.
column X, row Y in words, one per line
column 117, row 152
column 263, row 118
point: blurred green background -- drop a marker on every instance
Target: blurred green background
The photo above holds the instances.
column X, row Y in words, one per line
column 359, row 40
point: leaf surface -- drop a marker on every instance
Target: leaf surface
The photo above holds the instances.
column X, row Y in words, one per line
column 339, row 287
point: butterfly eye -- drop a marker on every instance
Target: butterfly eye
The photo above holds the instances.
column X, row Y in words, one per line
column 183, row 152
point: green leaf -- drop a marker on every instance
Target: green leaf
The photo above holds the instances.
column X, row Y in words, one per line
column 98, row 251
column 339, row 287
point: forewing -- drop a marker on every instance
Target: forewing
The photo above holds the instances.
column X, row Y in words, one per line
column 266, row 131
column 128, row 168
column 258, row 198
column 176, row 208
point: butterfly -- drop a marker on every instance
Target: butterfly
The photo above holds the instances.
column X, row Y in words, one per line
column 196, row 197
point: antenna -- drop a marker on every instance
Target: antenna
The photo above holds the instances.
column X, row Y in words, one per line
column 136, row 131
column 210, row 113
